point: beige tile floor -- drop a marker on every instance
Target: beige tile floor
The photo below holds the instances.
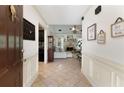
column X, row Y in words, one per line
column 61, row 73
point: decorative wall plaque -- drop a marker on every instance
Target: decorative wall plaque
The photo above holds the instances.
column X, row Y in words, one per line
column 101, row 37
column 117, row 29
column 91, row 32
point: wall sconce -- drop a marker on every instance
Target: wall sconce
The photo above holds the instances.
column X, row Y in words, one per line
column 98, row 9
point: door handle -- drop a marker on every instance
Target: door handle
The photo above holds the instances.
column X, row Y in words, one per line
column 22, row 50
column 23, row 60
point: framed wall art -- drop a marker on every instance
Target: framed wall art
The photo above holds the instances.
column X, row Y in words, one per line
column 101, row 37
column 91, row 32
column 28, row 30
column 117, row 29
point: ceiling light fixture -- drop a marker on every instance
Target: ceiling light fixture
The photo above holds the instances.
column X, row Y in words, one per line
column 74, row 28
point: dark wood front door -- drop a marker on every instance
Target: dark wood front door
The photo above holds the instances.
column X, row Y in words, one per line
column 11, row 41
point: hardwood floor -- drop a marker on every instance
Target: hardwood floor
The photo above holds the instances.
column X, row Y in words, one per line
column 61, row 73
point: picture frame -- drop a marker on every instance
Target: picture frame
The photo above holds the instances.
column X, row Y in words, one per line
column 28, row 30
column 117, row 29
column 101, row 37
column 91, row 32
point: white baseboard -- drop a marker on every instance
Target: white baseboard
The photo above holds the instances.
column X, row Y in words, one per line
column 90, row 80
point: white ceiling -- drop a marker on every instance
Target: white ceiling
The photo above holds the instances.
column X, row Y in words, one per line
column 62, row 14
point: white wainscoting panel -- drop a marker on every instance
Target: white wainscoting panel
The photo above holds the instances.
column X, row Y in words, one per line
column 102, row 72
column 30, row 70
